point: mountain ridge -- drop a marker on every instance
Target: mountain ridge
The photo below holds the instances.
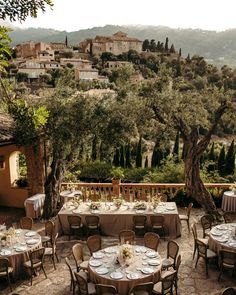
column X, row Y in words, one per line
column 217, row 47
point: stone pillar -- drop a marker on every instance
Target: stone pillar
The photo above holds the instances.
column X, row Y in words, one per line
column 35, row 169
column 116, row 187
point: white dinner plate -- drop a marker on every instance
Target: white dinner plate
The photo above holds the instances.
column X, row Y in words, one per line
column 151, row 254
column 110, row 250
column 102, row 270
column 95, row 263
column 76, row 211
column 216, row 233
column 98, row 255
column 30, row 234
column 18, row 231
column 140, row 249
column 232, row 244
column 5, row 252
column 140, row 211
column 221, row 239
column 222, row 227
column 133, row 276
column 32, row 241
column 95, row 211
column 147, row 270
column 20, row 248
column 170, row 208
column 116, row 275
column 154, row 262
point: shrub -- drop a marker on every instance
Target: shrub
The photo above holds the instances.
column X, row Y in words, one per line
column 22, row 182
column 135, row 174
column 96, row 170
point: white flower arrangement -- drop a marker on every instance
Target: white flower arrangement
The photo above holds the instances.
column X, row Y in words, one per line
column 125, row 253
column 117, row 202
column 139, row 205
column 156, row 200
column 233, row 187
column 76, row 201
column 95, row 206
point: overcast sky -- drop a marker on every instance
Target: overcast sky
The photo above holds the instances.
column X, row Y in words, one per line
column 73, row 15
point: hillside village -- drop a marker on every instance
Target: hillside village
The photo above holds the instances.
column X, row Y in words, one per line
column 33, row 61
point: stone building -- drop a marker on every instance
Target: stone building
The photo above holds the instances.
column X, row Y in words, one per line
column 10, row 194
column 30, row 49
column 118, row 43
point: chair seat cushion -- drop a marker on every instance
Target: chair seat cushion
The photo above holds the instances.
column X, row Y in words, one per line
column 45, row 239
column 76, row 226
column 48, row 251
column 167, row 262
column 93, row 226
column 157, row 288
column 211, row 254
column 91, row 289
column 3, row 273
column 183, row 217
column 205, row 241
column 84, row 265
column 35, row 264
column 139, row 226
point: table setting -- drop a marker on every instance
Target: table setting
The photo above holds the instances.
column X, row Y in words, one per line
column 222, row 236
column 125, row 265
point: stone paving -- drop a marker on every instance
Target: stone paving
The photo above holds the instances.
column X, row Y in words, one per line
column 191, row 280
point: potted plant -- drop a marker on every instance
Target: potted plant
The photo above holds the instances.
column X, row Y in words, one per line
column 117, row 173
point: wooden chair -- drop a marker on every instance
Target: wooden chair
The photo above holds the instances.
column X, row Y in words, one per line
column 157, row 224
column 77, row 251
column 51, row 251
column 165, row 286
column 49, row 229
column 187, row 216
column 127, row 236
column 145, row 288
column 92, row 224
column 195, row 237
column 172, row 252
column 229, row 291
column 151, row 240
column 229, row 217
column 206, row 222
column 26, row 223
column 227, row 261
column 85, row 288
column 5, row 270
column 205, row 253
column 75, row 224
column 139, row 224
column 94, row 243
column 72, row 277
column 105, row 289
column 35, row 263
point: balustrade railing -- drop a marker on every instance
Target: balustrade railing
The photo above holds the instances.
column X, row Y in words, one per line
column 134, row 191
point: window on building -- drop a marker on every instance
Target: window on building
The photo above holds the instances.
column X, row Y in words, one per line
column 18, row 169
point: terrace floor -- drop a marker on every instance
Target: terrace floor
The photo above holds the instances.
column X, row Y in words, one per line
column 191, row 280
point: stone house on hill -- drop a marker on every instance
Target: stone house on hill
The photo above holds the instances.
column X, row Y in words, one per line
column 118, row 43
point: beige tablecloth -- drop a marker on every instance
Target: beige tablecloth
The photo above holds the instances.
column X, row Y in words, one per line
column 113, row 220
column 229, row 201
column 18, row 257
column 34, row 205
column 138, row 264
column 222, row 237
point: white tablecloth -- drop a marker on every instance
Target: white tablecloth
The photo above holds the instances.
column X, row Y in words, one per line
column 34, row 205
column 229, row 201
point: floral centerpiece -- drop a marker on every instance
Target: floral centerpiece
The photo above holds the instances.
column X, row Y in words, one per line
column 76, row 201
column 117, row 202
column 125, row 254
column 6, row 236
column 233, row 187
column 156, row 200
column 94, row 206
column 139, row 205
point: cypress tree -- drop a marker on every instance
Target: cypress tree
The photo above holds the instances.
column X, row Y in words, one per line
column 221, row 162
column 180, row 52
column 154, row 160
column 94, row 149
column 212, row 158
column 176, row 146
column 128, row 156
column 116, row 159
column 139, row 153
column 172, row 48
column 146, row 162
column 230, row 160
column 166, row 45
column 188, row 59
column 66, row 41
column 122, row 157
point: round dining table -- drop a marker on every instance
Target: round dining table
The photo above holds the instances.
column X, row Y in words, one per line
column 143, row 267
column 229, row 201
column 222, row 236
column 17, row 250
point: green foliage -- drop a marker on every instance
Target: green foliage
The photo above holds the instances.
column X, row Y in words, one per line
column 122, row 157
column 22, row 182
column 169, row 172
column 176, row 146
column 20, row 10
column 117, row 173
column 96, row 170
column 128, row 156
column 139, row 153
column 5, row 52
column 230, row 159
column 116, row 159
column 135, row 174
column 221, row 162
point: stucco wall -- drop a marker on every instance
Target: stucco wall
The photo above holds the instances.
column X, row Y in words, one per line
column 9, row 195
